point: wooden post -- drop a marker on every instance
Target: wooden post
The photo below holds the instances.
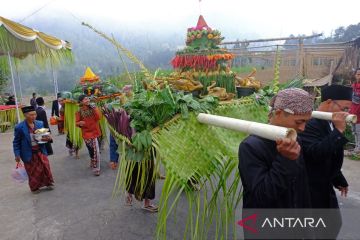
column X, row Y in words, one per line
column 302, row 57
column 331, row 71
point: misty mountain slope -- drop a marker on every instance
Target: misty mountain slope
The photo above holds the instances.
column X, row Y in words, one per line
column 90, row 49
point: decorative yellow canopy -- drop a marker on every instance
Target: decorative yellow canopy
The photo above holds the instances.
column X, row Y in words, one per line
column 89, row 77
column 20, row 41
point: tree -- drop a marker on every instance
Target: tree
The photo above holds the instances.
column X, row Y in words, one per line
column 351, row 32
column 339, row 33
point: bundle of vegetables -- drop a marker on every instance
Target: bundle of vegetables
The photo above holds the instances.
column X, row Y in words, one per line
column 119, row 120
column 223, row 79
column 264, row 95
column 152, row 109
column 199, row 62
column 66, row 95
column 98, row 90
column 297, row 82
column 149, row 112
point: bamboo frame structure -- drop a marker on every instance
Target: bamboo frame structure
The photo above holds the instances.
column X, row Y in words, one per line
column 311, row 61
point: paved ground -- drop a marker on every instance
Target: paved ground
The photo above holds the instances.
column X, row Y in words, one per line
column 81, row 208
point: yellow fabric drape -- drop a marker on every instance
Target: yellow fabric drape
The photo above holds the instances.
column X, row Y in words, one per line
column 18, row 28
column 27, row 34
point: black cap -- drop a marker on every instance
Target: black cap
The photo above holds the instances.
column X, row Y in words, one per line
column 58, row 95
column 40, row 101
column 28, row 109
column 81, row 97
column 336, row 92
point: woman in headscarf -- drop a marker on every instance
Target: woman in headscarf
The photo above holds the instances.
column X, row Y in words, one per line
column 87, row 118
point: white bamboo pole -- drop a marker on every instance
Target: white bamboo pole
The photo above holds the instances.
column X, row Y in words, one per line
column 267, row 131
column 19, row 81
column 56, row 87
column 13, row 84
column 328, row 116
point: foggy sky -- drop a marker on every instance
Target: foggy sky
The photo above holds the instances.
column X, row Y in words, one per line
column 235, row 18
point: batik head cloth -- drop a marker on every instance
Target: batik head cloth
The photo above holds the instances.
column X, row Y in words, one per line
column 293, row 100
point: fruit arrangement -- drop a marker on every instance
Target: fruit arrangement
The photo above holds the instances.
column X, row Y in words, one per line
column 202, row 36
column 97, row 90
column 209, row 34
column 93, row 87
column 202, row 60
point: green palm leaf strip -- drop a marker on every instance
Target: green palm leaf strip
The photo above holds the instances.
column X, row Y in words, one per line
column 130, row 158
column 103, row 126
column 119, row 47
column 196, row 154
column 73, row 131
column 275, row 83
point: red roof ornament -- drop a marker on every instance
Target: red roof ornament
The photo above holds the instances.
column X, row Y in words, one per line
column 201, row 23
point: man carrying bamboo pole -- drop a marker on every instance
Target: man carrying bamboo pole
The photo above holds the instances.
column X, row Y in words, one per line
column 273, row 173
column 323, row 147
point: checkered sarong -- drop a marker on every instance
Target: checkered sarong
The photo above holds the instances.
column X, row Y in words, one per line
column 38, row 170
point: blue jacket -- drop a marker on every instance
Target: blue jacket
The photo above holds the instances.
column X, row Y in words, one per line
column 22, row 141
